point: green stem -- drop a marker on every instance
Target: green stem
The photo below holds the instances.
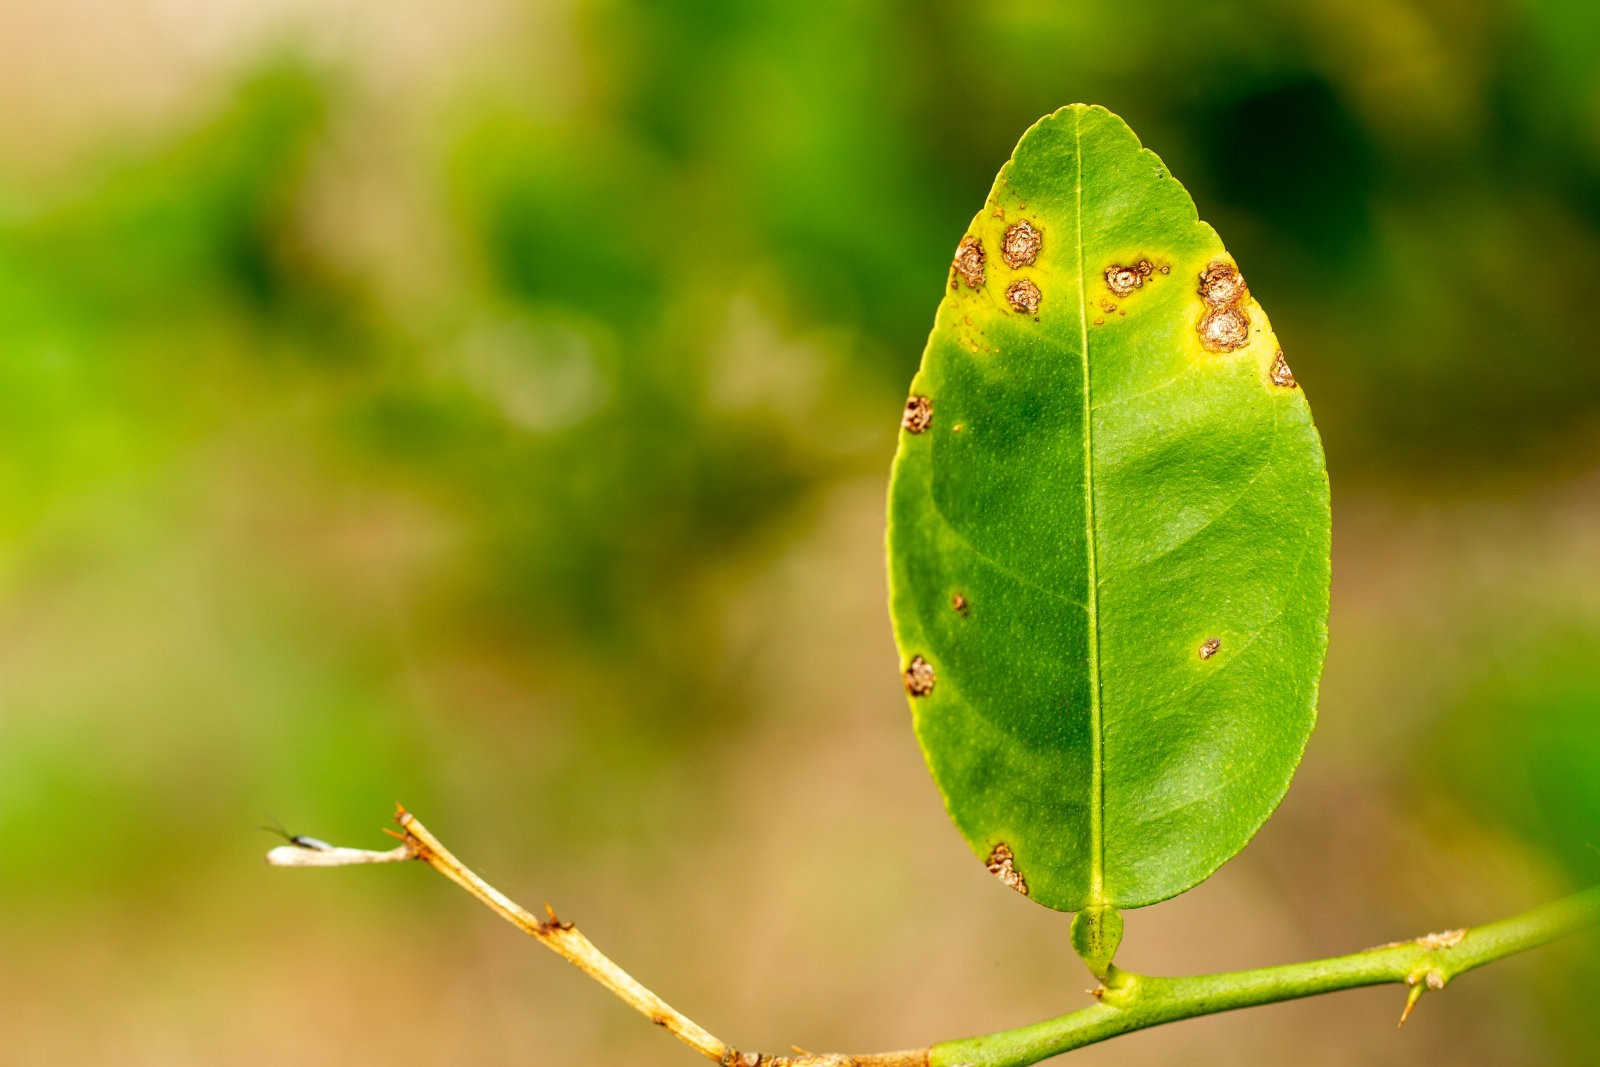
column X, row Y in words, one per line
column 1133, row 1002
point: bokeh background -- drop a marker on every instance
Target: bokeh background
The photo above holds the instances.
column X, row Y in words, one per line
column 488, row 405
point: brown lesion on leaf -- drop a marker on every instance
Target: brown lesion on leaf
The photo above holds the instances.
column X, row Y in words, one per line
column 1224, row 329
column 1003, row 865
column 959, row 605
column 1211, row 647
column 1020, row 245
column 1123, row 280
column 1221, row 285
column 1023, row 296
column 1225, row 325
column 968, row 265
column 918, row 414
column 919, row 677
column 1281, row 374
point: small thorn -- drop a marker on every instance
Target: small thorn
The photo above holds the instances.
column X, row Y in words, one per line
column 400, row 813
column 548, row 910
column 396, row 834
column 1412, row 997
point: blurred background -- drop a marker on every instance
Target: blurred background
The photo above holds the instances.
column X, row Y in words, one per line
column 488, row 405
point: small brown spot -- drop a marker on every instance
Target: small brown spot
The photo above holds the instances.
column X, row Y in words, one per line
column 1020, row 245
column 1224, row 330
column 1221, row 285
column 658, row 1019
column 919, row 413
column 1281, row 374
column 919, row 677
column 1023, row 296
column 1210, row 647
column 959, row 604
column 1165, row 268
column 1107, row 306
column 1123, row 280
column 1099, row 322
column 1144, row 267
column 969, row 262
column 1002, row 864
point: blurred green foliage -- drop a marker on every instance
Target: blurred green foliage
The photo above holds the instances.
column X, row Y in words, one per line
column 271, row 522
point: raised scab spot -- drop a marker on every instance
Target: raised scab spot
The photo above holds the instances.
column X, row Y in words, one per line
column 919, row 413
column 919, row 677
column 969, row 263
column 1003, row 865
column 1210, row 648
column 1023, row 296
column 1221, row 285
column 1281, row 374
column 1443, row 939
column 1224, row 330
column 1020, row 245
column 959, row 605
column 1124, row 280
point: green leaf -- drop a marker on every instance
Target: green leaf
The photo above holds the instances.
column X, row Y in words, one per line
column 1108, row 533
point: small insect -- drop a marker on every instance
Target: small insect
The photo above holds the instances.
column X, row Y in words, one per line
column 298, row 840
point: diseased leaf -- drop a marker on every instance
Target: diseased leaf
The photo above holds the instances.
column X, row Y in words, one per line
column 1108, row 533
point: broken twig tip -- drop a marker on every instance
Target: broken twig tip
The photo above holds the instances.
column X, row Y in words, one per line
column 333, row 856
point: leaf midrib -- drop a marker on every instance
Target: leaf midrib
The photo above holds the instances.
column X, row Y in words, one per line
column 1097, row 786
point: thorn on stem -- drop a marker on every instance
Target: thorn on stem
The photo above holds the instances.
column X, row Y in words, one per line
column 1411, row 1002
